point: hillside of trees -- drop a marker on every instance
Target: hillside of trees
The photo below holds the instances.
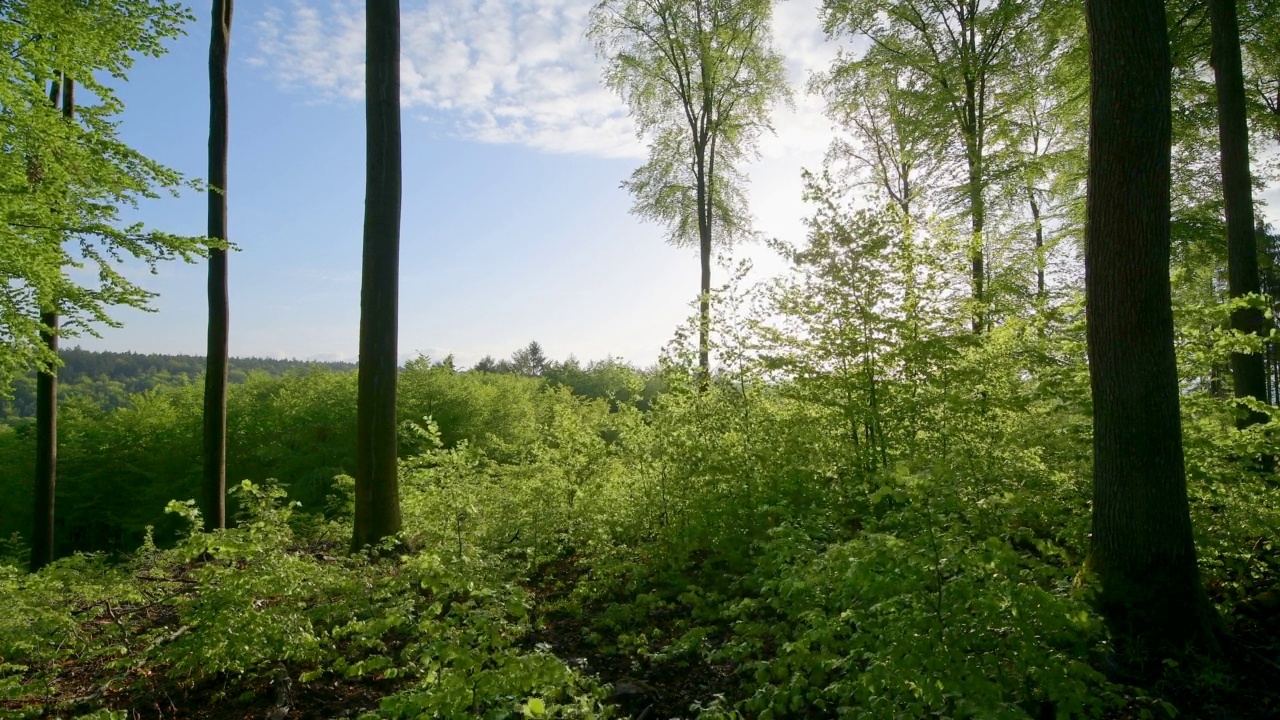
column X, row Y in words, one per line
column 999, row 442
column 107, row 380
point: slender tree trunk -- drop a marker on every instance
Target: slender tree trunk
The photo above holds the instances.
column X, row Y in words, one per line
column 1242, row 249
column 978, row 219
column 42, row 538
column 42, row 548
column 1142, row 548
column 973, row 153
column 377, row 487
column 215, row 378
column 1039, row 227
column 703, row 200
column 704, row 310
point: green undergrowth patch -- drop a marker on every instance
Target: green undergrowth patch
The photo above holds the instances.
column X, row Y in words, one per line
column 743, row 551
column 937, row 600
column 259, row 618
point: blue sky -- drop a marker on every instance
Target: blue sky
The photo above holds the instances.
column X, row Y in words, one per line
column 514, row 226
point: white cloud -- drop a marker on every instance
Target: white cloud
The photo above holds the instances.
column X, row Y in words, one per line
column 488, row 70
column 518, row 72
column 523, row 73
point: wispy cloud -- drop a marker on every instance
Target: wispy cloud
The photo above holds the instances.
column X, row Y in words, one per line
column 488, row 70
column 507, row 72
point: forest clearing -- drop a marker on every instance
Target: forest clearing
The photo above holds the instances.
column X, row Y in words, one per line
column 998, row 441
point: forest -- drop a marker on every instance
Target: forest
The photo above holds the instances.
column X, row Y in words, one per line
column 1000, row 442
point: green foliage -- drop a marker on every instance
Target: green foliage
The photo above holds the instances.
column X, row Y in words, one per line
column 700, row 78
column 918, row 614
column 64, row 183
column 867, row 511
column 259, row 599
column 107, row 380
column 932, row 571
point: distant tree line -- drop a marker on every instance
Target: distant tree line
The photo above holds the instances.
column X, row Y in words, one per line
column 106, row 380
column 608, row 379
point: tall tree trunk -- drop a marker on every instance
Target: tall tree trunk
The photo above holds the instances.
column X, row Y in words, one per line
column 704, row 310
column 1242, row 249
column 377, row 488
column 42, row 538
column 705, row 167
column 1142, row 548
column 215, row 378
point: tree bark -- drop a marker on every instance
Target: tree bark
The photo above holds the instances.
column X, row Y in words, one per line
column 1247, row 370
column 978, row 220
column 1039, row 247
column 704, row 312
column 42, row 548
column 705, row 167
column 216, row 358
column 1142, row 548
column 377, row 496
column 42, row 537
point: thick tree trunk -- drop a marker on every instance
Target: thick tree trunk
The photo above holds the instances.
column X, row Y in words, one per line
column 215, row 378
column 42, row 537
column 1242, row 250
column 377, row 488
column 1142, row 548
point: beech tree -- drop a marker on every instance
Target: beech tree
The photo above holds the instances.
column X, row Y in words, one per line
column 893, row 141
column 700, row 78
column 377, row 497
column 1142, row 549
column 215, row 377
column 65, row 175
column 955, row 54
column 42, row 538
column 1260, row 30
column 65, row 182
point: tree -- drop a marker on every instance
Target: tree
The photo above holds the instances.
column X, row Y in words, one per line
column 1237, row 192
column 894, row 142
column 1044, row 121
column 216, row 357
column 1269, row 277
column 957, row 52
column 529, row 360
column 1260, row 28
column 700, row 77
column 65, row 182
column 1142, row 549
column 377, row 496
column 42, row 538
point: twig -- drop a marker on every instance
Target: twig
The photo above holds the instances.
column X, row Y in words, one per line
column 124, row 632
column 153, row 578
column 172, row 636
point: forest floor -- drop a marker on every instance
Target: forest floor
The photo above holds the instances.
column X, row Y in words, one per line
column 650, row 680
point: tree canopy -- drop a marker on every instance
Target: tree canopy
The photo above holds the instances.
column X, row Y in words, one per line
column 65, row 184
